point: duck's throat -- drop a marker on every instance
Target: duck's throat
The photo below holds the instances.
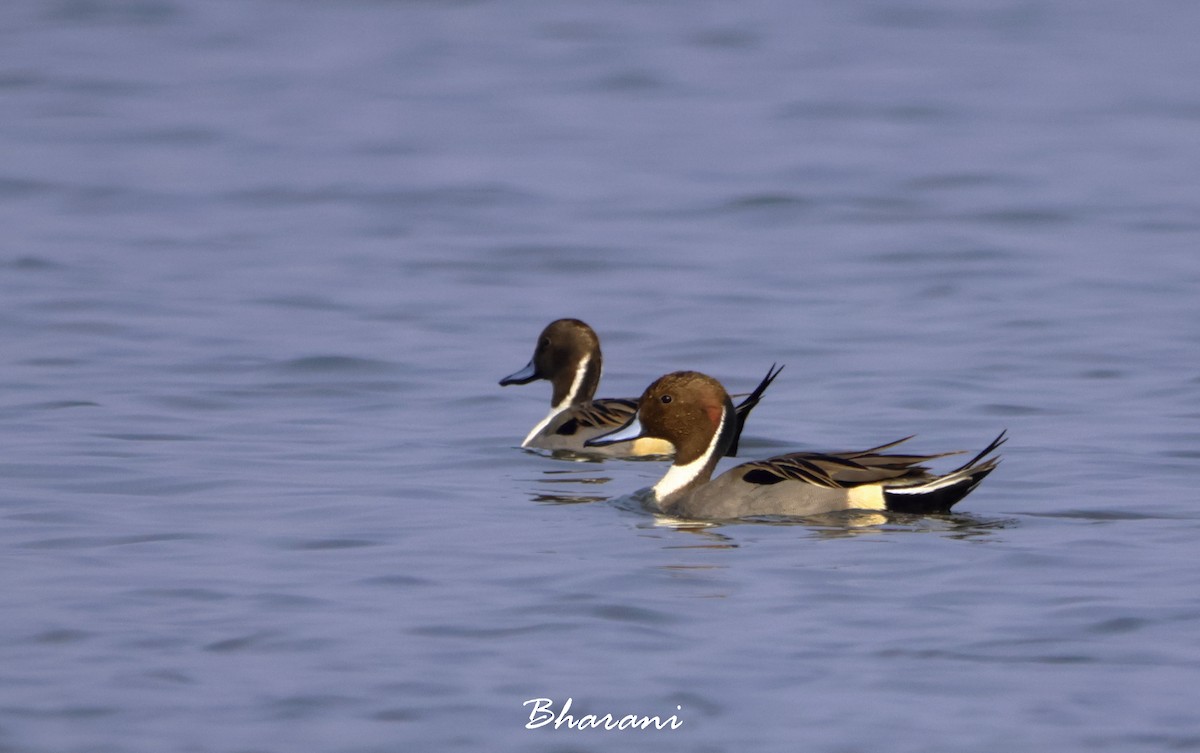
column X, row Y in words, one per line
column 682, row 478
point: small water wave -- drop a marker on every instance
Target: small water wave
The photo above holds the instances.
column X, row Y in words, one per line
column 333, row 364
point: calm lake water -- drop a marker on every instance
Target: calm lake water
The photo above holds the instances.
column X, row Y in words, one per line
column 263, row 263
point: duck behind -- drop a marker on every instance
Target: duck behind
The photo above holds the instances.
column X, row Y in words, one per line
column 568, row 355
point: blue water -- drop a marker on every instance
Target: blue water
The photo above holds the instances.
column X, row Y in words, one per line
column 263, row 263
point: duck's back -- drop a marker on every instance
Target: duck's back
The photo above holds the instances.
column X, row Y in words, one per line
column 805, row 483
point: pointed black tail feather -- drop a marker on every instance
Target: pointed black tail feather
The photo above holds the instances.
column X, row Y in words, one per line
column 920, row 501
column 742, row 410
column 1000, row 439
column 942, row 493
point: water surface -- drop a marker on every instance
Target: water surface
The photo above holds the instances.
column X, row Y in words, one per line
column 264, row 262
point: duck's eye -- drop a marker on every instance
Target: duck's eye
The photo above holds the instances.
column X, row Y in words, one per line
column 665, row 399
column 545, row 342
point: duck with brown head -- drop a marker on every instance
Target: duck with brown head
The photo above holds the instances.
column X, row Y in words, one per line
column 692, row 412
column 568, row 355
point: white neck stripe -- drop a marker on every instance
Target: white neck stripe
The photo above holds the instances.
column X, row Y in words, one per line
column 540, row 426
column 580, row 372
column 565, row 403
column 679, row 476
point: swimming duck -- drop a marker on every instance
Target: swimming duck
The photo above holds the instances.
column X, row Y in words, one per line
column 693, row 412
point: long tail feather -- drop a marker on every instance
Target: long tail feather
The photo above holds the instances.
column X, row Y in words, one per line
column 743, row 408
column 943, row 492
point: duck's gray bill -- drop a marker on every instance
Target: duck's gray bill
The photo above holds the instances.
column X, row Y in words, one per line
column 631, row 430
column 524, row 376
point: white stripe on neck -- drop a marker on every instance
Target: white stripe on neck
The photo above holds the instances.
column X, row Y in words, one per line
column 540, row 426
column 564, row 404
column 580, row 372
column 679, row 476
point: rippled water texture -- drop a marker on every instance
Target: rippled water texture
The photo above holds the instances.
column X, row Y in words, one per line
column 263, row 263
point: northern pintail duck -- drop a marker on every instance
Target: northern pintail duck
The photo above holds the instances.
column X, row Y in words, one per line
column 568, row 355
column 693, row 412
